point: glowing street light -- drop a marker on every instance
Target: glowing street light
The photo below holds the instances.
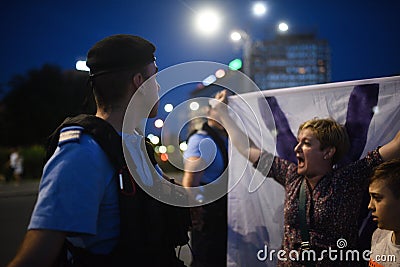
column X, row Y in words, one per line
column 259, row 9
column 208, row 21
column 283, row 27
column 236, row 36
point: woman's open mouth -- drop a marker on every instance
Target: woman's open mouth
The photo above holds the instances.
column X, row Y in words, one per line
column 300, row 161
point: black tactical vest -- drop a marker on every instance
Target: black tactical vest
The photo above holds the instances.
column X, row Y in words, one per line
column 150, row 230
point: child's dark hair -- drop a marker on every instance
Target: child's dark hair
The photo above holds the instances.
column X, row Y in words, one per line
column 389, row 172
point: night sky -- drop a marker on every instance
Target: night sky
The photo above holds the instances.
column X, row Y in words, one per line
column 363, row 35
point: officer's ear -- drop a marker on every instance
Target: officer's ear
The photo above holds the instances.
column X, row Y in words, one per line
column 138, row 79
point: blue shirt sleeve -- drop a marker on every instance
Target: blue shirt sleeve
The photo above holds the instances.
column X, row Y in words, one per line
column 75, row 189
column 201, row 146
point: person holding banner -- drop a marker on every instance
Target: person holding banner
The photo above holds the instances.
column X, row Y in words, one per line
column 322, row 202
column 202, row 166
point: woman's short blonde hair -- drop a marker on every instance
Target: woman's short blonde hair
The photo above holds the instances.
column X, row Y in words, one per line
column 330, row 134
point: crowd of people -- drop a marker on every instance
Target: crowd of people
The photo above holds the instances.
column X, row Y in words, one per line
column 77, row 218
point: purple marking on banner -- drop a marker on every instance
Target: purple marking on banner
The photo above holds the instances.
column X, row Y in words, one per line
column 285, row 140
column 362, row 100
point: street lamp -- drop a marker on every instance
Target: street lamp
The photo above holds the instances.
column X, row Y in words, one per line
column 283, row 27
column 208, row 21
column 236, row 36
column 259, row 9
column 244, row 37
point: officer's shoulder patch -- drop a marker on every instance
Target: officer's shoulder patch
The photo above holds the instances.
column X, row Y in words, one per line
column 70, row 134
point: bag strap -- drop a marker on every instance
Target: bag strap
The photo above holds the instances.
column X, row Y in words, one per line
column 219, row 141
column 305, row 235
column 216, row 138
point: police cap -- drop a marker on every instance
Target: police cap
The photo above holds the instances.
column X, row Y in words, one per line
column 119, row 52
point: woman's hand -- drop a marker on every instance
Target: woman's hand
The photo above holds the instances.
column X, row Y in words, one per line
column 239, row 139
column 220, row 102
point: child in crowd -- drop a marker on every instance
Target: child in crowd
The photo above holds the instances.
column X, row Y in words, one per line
column 384, row 189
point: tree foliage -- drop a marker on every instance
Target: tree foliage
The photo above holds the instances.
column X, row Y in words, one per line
column 39, row 101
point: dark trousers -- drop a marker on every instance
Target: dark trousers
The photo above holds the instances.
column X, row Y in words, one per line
column 209, row 242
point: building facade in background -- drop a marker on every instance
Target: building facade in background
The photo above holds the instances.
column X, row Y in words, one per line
column 290, row 60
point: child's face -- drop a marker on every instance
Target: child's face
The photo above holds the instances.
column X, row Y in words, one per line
column 384, row 205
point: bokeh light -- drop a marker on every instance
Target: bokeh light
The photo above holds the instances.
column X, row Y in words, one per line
column 168, row 107
column 194, row 106
column 159, row 123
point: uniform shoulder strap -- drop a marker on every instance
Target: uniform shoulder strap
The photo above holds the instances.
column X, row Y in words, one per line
column 101, row 131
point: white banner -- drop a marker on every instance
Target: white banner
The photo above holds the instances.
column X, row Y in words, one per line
column 370, row 111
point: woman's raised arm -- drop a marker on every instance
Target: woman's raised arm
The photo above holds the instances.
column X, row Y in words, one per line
column 239, row 139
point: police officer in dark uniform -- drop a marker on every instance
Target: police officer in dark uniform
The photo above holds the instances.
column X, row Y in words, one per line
column 78, row 197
